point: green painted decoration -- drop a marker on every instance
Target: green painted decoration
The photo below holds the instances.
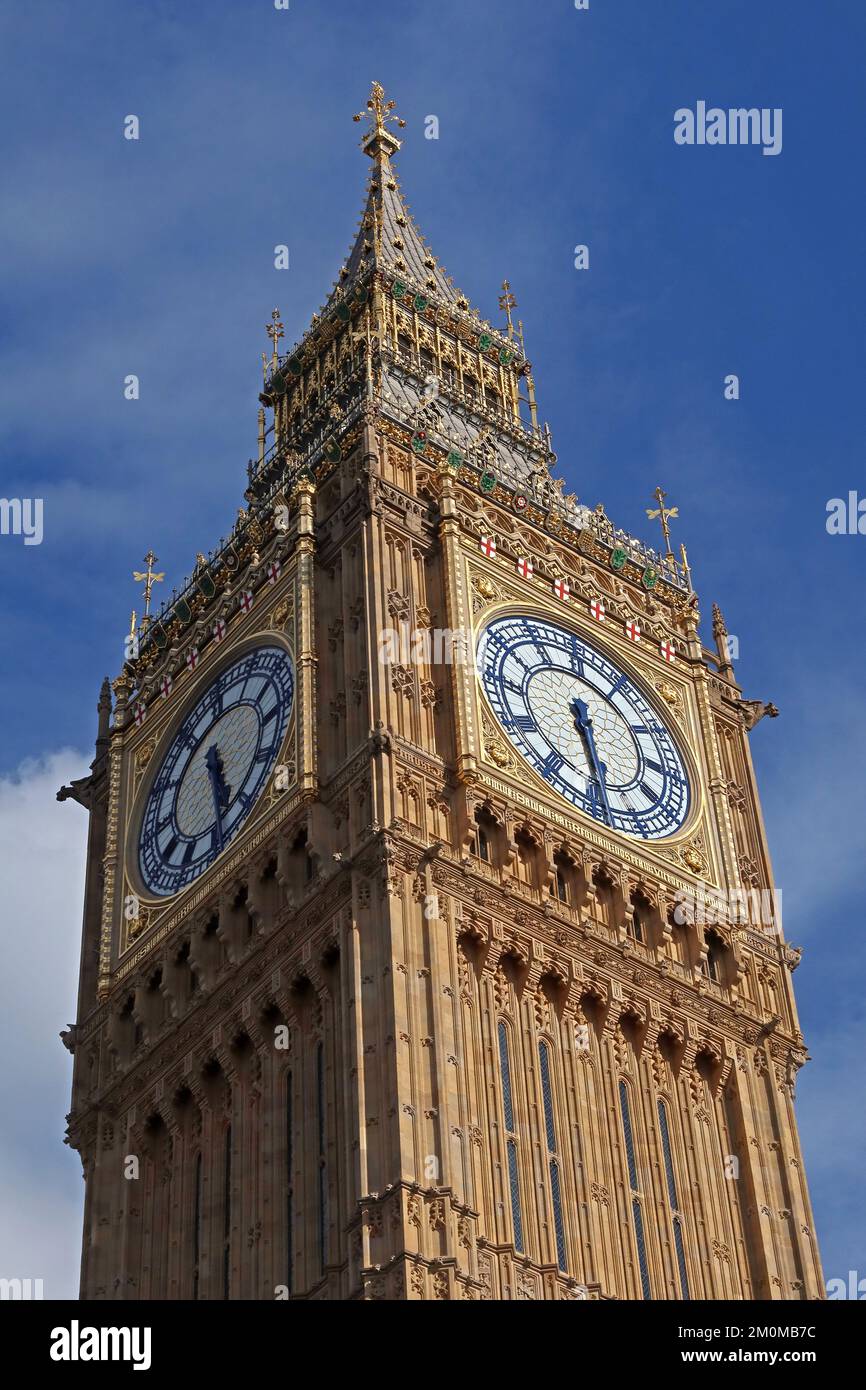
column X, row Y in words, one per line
column 649, row 577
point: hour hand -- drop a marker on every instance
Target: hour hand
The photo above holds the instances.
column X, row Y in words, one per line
column 219, row 788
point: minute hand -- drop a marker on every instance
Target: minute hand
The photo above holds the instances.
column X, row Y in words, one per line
column 583, row 720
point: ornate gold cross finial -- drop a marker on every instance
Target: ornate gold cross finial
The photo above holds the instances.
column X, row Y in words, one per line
column 664, row 514
column 149, row 578
column 274, row 330
column 507, row 302
column 379, row 139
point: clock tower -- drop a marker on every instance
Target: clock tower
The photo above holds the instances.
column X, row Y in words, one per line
column 430, row 947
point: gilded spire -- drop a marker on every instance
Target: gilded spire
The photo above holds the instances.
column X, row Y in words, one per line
column 149, row 578
column 663, row 513
column 379, row 140
column 274, row 330
column 507, row 302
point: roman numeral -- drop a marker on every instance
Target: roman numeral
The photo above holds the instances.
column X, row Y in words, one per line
column 551, row 765
column 524, row 722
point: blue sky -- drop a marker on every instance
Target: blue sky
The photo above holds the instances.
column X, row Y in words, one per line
column 155, row 257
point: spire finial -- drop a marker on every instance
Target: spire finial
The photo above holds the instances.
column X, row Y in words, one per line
column 149, row 578
column 103, row 710
column 663, row 513
column 507, row 302
column 379, row 140
column 723, row 643
column 274, row 330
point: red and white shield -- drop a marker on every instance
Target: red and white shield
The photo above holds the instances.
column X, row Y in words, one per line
column 219, row 630
column 596, row 609
column 140, row 713
column 165, row 687
column 273, row 571
column 488, row 546
column 246, row 600
column 192, row 658
column 667, row 651
column 561, row 589
column 632, row 632
column 524, row 567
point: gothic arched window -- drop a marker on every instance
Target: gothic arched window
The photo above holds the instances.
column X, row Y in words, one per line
column 529, row 869
column 484, row 845
column 604, row 899
column 637, row 923
column 552, row 1153
column 227, row 1214
column 511, row 1138
column 563, row 883
column 323, row 1169
column 636, row 1195
column 676, row 1218
column 715, row 961
column 196, row 1225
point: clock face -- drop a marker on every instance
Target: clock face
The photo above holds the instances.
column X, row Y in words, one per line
column 215, row 769
column 584, row 726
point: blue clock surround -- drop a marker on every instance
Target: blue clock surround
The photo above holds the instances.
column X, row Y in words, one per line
column 216, row 766
column 583, row 725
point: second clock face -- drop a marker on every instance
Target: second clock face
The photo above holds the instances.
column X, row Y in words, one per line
column 215, row 769
column 584, row 726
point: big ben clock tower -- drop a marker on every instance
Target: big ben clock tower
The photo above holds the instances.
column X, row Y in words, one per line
column 417, row 816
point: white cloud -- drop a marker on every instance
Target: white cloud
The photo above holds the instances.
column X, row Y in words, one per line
column 42, row 847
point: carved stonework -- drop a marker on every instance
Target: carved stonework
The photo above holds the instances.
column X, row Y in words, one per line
column 410, row 992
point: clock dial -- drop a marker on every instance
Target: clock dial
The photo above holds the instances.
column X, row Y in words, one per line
column 215, row 769
column 584, row 726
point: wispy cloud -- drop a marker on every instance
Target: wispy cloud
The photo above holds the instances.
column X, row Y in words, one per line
column 42, row 845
